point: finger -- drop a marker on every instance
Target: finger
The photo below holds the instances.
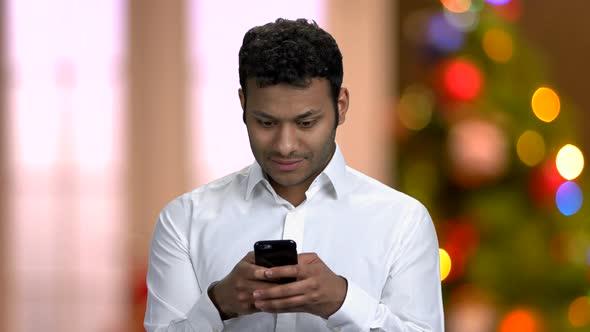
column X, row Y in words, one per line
column 249, row 257
column 248, row 270
column 290, row 304
column 287, row 271
column 250, row 286
column 283, row 291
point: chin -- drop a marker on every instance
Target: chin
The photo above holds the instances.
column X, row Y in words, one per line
column 289, row 180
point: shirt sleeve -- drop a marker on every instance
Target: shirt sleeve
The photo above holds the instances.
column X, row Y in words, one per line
column 411, row 299
column 176, row 302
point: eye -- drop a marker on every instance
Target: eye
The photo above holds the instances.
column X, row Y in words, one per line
column 307, row 124
column 265, row 124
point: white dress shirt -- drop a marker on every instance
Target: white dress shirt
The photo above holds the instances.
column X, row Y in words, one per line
column 382, row 241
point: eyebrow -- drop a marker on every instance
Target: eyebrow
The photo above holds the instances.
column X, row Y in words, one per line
column 309, row 113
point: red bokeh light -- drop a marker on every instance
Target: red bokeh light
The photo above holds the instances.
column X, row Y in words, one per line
column 461, row 239
column 543, row 184
column 462, row 80
column 511, row 11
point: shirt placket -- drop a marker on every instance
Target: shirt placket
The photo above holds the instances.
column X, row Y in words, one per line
column 292, row 230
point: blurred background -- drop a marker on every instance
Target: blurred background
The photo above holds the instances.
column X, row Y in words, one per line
column 110, row 109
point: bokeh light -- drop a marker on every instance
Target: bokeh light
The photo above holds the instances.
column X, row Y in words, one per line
column 509, row 10
column 543, row 182
column 460, row 241
column 530, row 148
column 466, row 21
column 498, row 2
column 445, row 264
column 415, row 107
column 519, row 320
column 477, row 152
column 456, row 6
column 498, row 45
column 470, row 309
column 569, row 161
column 545, row 103
column 462, row 80
column 443, row 35
column 569, row 198
column 579, row 312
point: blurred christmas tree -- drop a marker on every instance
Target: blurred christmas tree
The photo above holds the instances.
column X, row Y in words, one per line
column 489, row 146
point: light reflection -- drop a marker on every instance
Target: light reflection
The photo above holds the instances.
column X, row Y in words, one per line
column 545, row 104
column 579, row 312
column 569, row 161
column 530, row 148
column 465, row 21
column 415, row 107
column 445, row 264
column 498, row 45
column 457, row 6
column 569, row 198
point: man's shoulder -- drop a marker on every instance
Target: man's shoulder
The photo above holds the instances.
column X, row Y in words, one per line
column 233, row 180
column 229, row 185
column 367, row 186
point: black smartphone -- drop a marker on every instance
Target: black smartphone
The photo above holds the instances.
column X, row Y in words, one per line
column 273, row 253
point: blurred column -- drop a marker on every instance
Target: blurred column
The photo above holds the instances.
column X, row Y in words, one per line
column 3, row 169
column 365, row 33
column 157, row 155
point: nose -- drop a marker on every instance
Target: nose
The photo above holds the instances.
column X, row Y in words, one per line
column 286, row 140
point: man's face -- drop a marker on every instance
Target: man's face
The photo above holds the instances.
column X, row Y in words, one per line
column 291, row 130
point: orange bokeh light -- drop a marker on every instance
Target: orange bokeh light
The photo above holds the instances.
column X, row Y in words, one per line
column 519, row 320
column 545, row 104
column 579, row 312
column 498, row 45
column 457, row 6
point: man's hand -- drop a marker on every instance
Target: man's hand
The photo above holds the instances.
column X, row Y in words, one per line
column 317, row 291
column 233, row 295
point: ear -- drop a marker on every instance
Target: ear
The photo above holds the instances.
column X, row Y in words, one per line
column 242, row 99
column 343, row 102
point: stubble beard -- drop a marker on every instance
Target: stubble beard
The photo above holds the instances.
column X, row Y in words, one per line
column 325, row 155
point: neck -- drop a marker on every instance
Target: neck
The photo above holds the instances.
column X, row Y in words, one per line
column 293, row 197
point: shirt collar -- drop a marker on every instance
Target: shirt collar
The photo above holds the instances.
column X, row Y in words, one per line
column 255, row 176
column 335, row 172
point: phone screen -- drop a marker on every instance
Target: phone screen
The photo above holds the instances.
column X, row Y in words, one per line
column 273, row 253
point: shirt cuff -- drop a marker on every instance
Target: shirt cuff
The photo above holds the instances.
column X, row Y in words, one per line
column 356, row 312
column 204, row 316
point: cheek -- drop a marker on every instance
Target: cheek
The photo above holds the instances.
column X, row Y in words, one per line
column 258, row 141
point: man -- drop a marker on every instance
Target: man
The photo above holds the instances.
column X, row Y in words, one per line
column 369, row 254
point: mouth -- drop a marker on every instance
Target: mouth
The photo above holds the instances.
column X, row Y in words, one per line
column 287, row 165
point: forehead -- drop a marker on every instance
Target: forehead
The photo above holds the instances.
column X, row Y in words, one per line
column 316, row 94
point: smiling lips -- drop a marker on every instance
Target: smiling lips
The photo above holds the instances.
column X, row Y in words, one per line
column 287, row 165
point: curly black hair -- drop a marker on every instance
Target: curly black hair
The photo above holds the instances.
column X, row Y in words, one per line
column 292, row 52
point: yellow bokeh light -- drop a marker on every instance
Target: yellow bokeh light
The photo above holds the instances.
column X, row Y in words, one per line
column 415, row 107
column 498, row 45
column 456, row 6
column 569, row 162
column 579, row 312
column 545, row 104
column 530, row 148
column 445, row 264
